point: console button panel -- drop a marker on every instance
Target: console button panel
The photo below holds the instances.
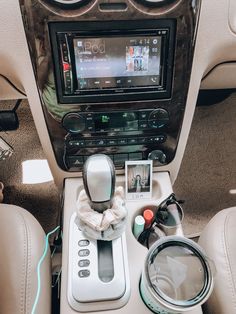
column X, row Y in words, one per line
column 123, row 135
column 122, row 149
column 119, row 121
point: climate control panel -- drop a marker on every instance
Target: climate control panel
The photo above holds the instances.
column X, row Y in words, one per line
column 119, row 121
column 122, row 135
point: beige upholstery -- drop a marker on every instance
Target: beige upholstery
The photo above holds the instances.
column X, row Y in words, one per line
column 219, row 241
column 21, row 246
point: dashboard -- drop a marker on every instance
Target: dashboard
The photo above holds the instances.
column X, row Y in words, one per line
column 115, row 77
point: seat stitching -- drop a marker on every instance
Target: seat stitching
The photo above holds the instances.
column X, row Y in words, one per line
column 23, row 281
column 23, row 302
column 27, row 257
column 29, row 272
column 228, row 264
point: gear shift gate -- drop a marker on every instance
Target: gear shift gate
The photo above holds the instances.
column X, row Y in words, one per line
column 98, row 270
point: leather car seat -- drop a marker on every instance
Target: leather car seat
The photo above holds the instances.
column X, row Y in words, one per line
column 22, row 243
column 219, row 241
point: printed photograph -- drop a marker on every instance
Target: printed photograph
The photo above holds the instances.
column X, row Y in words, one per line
column 138, row 179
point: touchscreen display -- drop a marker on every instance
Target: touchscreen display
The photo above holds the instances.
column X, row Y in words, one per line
column 124, row 62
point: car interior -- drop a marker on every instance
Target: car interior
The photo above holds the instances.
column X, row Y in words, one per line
column 117, row 156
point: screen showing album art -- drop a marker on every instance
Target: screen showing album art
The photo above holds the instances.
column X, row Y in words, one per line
column 113, row 62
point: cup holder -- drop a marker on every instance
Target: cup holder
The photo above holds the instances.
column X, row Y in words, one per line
column 167, row 217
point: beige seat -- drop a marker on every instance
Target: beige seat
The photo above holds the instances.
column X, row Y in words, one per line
column 22, row 243
column 219, row 241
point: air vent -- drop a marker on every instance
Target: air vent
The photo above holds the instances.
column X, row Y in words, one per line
column 158, row 3
column 66, row 3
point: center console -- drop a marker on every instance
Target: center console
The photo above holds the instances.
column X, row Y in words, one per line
column 112, row 76
column 136, row 254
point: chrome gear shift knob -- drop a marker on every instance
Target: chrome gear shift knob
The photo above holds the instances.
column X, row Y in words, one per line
column 99, row 181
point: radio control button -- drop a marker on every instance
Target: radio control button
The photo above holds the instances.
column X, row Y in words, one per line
column 89, row 117
column 91, row 128
column 143, row 125
column 112, row 142
column 117, row 129
column 65, row 56
column 100, row 142
column 135, row 156
column 132, row 141
column 162, row 138
column 142, row 140
column 131, row 126
column 122, row 141
column 74, row 123
column 158, row 139
column 90, row 143
column 150, row 140
column 143, row 115
column 78, row 143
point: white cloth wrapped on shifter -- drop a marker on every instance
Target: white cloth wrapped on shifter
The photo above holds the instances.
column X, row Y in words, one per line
column 107, row 225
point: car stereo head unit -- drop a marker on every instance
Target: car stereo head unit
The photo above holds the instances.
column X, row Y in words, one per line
column 110, row 62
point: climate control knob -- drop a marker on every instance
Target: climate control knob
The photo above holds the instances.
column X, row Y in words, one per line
column 158, row 118
column 158, row 156
column 74, row 123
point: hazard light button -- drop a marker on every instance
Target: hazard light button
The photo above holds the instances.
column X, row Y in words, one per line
column 75, row 161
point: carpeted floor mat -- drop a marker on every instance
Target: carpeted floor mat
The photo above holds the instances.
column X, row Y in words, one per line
column 42, row 200
column 207, row 178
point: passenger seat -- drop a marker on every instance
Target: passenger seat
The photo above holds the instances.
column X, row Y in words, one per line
column 22, row 242
column 219, row 241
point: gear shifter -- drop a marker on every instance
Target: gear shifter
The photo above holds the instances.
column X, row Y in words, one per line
column 98, row 269
column 99, row 181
